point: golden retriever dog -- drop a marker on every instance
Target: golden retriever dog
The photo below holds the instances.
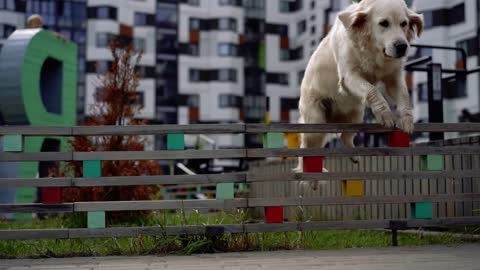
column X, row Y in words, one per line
column 360, row 63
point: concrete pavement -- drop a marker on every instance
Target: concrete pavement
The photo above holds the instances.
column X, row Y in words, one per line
column 464, row 257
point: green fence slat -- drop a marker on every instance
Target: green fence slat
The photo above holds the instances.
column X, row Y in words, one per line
column 92, row 168
column 176, row 141
column 225, row 191
column 422, row 210
column 273, row 140
column 96, row 220
column 13, row 143
column 432, row 163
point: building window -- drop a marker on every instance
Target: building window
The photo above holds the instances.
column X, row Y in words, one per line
column 229, row 101
column 284, row 54
column 194, row 75
column 194, row 24
column 277, row 29
column 142, row 19
column 289, row 55
column 469, row 45
column 6, row 30
column 227, row 49
column 166, row 16
column 301, row 27
column 102, row 66
column 166, row 42
column 193, row 2
column 139, row 44
column 139, row 99
column 228, row 24
column 229, row 2
column 278, row 78
column 313, row 4
column 103, row 13
column 297, row 53
column 301, row 74
column 227, row 75
column 193, row 101
column 313, row 30
column 103, row 40
column 286, row 6
column 254, row 4
column 193, row 49
column 422, row 91
column 7, row 5
column 444, row 17
column 98, row 95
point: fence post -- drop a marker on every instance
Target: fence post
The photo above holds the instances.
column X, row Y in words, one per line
column 93, row 168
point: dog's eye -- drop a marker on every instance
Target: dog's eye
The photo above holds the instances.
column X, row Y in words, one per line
column 404, row 24
column 384, row 23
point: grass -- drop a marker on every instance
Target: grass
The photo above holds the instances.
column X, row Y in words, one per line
column 185, row 245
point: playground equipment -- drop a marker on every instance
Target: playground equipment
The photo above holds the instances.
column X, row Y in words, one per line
column 353, row 188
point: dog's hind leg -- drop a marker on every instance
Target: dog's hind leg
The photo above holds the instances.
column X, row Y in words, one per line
column 355, row 117
column 347, row 139
column 311, row 140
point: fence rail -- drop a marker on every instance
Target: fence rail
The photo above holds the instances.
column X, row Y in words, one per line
column 226, row 129
column 228, row 228
column 240, row 178
column 240, row 153
column 275, row 195
column 228, row 204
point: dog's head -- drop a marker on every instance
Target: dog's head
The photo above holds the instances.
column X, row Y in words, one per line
column 388, row 26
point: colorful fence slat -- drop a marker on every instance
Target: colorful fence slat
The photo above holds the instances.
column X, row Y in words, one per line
column 422, row 210
column 93, row 168
column 353, row 188
column 225, row 191
column 176, row 142
column 273, row 214
column 432, row 163
column 13, row 143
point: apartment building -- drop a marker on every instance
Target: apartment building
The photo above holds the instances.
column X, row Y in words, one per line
column 294, row 30
column 210, row 64
column 132, row 21
column 454, row 24
column 211, row 61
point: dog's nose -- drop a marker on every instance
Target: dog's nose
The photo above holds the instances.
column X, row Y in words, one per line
column 401, row 48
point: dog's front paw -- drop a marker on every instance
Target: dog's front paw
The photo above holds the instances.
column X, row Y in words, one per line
column 405, row 123
column 386, row 118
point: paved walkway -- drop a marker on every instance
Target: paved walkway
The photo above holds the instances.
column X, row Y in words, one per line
column 465, row 257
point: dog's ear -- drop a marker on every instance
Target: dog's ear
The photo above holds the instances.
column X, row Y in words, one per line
column 356, row 20
column 416, row 24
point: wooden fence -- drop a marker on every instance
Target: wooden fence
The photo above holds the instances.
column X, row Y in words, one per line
column 391, row 210
column 387, row 175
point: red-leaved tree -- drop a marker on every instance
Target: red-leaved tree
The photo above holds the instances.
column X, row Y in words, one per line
column 116, row 105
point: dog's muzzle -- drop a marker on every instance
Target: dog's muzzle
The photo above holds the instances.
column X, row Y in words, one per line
column 400, row 49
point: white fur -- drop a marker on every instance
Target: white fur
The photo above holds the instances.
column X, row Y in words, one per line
column 355, row 66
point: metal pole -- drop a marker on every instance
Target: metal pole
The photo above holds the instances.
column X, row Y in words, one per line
column 394, row 238
column 435, row 98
